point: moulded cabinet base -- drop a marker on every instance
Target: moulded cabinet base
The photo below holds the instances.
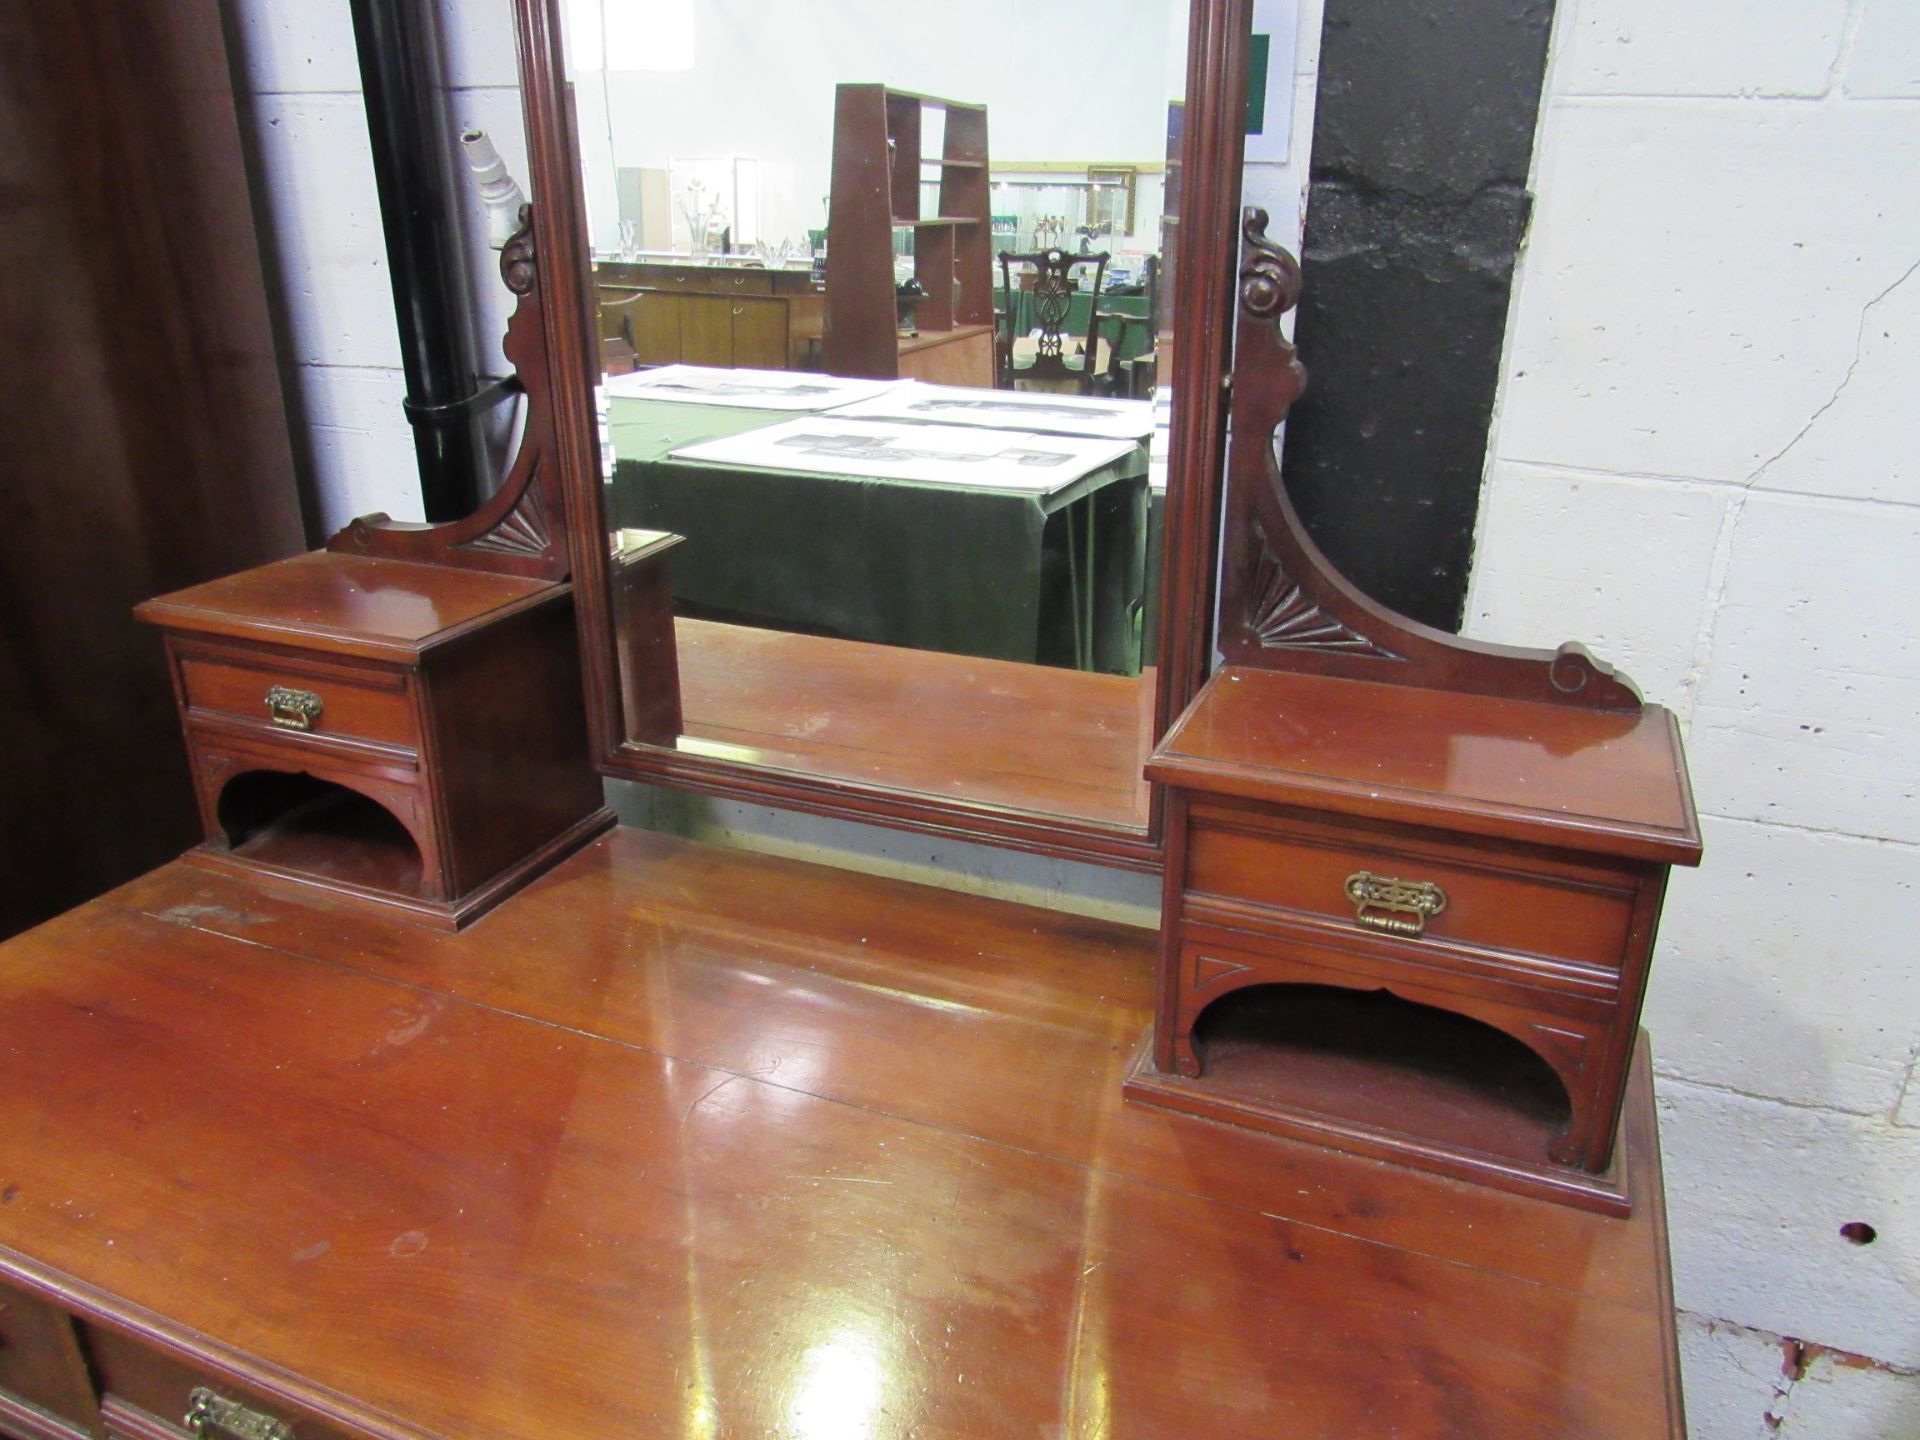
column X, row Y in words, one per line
column 448, row 914
column 1244, row 1095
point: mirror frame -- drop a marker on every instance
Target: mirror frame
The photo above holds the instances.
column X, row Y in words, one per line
column 1204, row 288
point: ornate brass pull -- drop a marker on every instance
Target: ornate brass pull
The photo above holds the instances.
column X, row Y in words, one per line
column 1394, row 907
column 214, row 1417
column 295, row 709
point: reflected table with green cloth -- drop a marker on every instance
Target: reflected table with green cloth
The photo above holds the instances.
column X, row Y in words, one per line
column 1056, row 579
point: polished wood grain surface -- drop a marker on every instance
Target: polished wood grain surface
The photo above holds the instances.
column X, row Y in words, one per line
column 990, row 733
column 683, row 1141
column 381, row 609
column 1613, row 783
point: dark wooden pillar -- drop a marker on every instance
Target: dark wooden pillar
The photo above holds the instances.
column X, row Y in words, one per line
column 143, row 436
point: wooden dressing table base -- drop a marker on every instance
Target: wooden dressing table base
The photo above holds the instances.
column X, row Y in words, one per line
column 685, row 1140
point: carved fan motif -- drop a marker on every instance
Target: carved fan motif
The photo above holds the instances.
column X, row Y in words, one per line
column 1285, row 618
column 523, row 532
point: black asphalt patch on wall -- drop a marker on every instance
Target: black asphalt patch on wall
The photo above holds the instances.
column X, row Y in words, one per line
column 1416, row 209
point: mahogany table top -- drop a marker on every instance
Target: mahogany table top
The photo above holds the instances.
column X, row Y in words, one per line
column 684, row 1141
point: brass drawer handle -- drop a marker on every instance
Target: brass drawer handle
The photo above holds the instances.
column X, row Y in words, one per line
column 295, row 709
column 214, row 1417
column 1394, row 907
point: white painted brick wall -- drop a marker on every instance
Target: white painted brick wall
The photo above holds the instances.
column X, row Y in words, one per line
column 300, row 94
column 1705, row 462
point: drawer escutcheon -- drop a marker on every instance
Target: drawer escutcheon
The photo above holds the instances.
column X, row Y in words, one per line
column 1394, row 907
column 214, row 1417
column 293, row 709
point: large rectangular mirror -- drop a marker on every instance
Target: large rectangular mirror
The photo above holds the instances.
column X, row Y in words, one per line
column 896, row 463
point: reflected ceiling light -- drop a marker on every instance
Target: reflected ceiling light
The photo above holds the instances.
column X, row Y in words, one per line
column 630, row 34
column 838, row 1391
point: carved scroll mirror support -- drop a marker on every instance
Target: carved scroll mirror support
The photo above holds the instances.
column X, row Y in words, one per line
column 518, row 531
column 1283, row 605
column 522, row 529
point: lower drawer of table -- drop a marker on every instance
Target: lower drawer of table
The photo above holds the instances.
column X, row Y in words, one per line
column 149, row 1395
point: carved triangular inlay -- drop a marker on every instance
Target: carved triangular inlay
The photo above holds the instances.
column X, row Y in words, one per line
column 1208, row 971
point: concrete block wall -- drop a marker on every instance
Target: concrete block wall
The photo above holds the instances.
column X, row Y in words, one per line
column 298, row 83
column 1707, row 463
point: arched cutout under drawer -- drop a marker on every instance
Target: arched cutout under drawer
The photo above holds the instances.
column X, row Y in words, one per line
column 1388, row 1063
column 296, row 821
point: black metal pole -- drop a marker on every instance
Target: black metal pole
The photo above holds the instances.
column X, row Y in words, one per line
column 413, row 168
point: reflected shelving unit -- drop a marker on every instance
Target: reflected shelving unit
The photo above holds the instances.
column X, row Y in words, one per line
column 878, row 162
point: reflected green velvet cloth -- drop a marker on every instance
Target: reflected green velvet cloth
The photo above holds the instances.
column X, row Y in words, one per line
column 1056, row 580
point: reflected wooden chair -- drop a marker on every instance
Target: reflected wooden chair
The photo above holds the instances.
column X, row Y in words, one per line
column 1049, row 356
column 1135, row 376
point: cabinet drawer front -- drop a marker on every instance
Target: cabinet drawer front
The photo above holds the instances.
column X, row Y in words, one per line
column 40, row 1360
column 1493, row 900
column 706, row 281
column 752, row 282
column 371, row 706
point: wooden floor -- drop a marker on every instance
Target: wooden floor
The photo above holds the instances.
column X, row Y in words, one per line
column 1031, row 738
column 695, row 1143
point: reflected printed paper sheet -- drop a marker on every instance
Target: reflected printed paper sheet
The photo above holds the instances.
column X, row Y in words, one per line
column 912, row 400
column 968, row 456
column 746, row 389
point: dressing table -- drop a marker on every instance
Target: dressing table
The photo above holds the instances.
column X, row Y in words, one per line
column 676, row 1140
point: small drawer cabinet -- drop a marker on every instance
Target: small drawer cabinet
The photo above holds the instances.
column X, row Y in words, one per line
column 403, row 735
column 1476, row 859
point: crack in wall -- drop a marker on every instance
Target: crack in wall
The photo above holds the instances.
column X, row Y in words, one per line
column 1859, row 353
column 1801, row 1362
column 1843, row 53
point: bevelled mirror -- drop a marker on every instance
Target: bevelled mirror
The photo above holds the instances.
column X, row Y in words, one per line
column 906, row 339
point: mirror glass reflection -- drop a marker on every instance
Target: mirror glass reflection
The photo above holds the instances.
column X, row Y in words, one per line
column 882, row 308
